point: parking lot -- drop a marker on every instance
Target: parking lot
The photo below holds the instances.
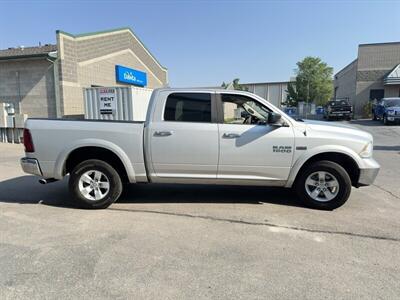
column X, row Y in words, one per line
column 173, row 242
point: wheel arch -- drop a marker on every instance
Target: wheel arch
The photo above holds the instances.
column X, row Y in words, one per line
column 345, row 159
column 95, row 149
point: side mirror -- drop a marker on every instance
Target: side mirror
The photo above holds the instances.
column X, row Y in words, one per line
column 273, row 118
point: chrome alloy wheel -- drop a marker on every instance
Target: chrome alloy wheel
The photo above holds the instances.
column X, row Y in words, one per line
column 94, row 185
column 322, row 186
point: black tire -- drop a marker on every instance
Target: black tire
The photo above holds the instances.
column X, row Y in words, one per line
column 115, row 184
column 332, row 168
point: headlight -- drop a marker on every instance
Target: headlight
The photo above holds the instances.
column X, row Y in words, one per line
column 390, row 112
column 366, row 152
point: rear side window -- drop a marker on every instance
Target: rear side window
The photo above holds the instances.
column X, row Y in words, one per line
column 188, row 107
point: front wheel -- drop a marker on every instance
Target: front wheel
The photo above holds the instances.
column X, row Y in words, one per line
column 324, row 185
column 95, row 184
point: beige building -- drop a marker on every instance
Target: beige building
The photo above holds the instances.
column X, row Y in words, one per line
column 48, row 81
column 374, row 74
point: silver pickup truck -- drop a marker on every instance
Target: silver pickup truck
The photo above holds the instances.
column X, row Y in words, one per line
column 205, row 137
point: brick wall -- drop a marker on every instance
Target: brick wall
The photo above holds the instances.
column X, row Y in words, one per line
column 345, row 82
column 90, row 60
column 375, row 61
column 31, row 89
column 378, row 56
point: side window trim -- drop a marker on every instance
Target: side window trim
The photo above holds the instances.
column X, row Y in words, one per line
column 214, row 108
column 219, row 108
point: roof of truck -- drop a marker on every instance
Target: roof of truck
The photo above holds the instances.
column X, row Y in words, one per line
column 204, row 89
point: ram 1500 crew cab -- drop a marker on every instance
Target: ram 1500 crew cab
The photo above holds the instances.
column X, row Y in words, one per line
column 206, row 137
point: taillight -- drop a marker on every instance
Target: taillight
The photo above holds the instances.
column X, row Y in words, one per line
column 28, row 143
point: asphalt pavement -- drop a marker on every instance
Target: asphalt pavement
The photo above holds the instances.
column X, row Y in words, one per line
column 201, row 242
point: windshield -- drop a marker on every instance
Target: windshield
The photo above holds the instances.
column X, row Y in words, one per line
column 261, row 110
column 391, row 103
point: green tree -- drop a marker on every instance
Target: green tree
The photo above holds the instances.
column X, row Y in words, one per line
column 234, row 84
column 313, row 82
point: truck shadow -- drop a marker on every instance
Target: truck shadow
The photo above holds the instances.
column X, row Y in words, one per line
column 27, row 190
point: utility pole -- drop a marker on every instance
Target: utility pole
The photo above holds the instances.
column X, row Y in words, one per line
column 308, row 96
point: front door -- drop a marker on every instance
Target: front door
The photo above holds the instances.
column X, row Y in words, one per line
column 250, row 149
column 184, row 143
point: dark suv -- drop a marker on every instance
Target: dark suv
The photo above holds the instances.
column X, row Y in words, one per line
column 338, row 109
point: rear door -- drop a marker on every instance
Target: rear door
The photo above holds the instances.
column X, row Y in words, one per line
column 250, row 150
column 184, row 137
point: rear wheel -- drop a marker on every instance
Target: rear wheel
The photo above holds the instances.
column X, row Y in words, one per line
column 324, row 185
column 95, row 184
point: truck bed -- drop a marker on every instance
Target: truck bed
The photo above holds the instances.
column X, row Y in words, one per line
column 55, row 139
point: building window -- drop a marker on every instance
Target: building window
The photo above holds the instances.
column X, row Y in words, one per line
column 188, row 107
column 377, row 94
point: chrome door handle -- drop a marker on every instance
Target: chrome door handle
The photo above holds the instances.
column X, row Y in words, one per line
column 231, row 135
column 162, row 133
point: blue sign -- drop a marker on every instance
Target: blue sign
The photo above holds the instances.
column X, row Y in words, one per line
column 130, row 76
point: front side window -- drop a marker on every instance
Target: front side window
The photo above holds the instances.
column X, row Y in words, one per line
column 188, row 107
column 239, row 109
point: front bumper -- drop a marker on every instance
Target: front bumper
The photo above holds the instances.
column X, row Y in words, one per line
column 369, row 172
column 340, row 113
column 393, row 118
column 31, row 166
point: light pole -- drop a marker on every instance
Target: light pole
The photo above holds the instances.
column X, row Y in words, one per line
column 308, row 95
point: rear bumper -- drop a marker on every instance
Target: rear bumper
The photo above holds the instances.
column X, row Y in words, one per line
column 368, row 173
column 30, row 166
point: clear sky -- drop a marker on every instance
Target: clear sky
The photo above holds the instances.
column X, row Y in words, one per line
column 203, row 43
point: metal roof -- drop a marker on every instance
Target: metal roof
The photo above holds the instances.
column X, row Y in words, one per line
column 23, row 52
column 393, row 77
